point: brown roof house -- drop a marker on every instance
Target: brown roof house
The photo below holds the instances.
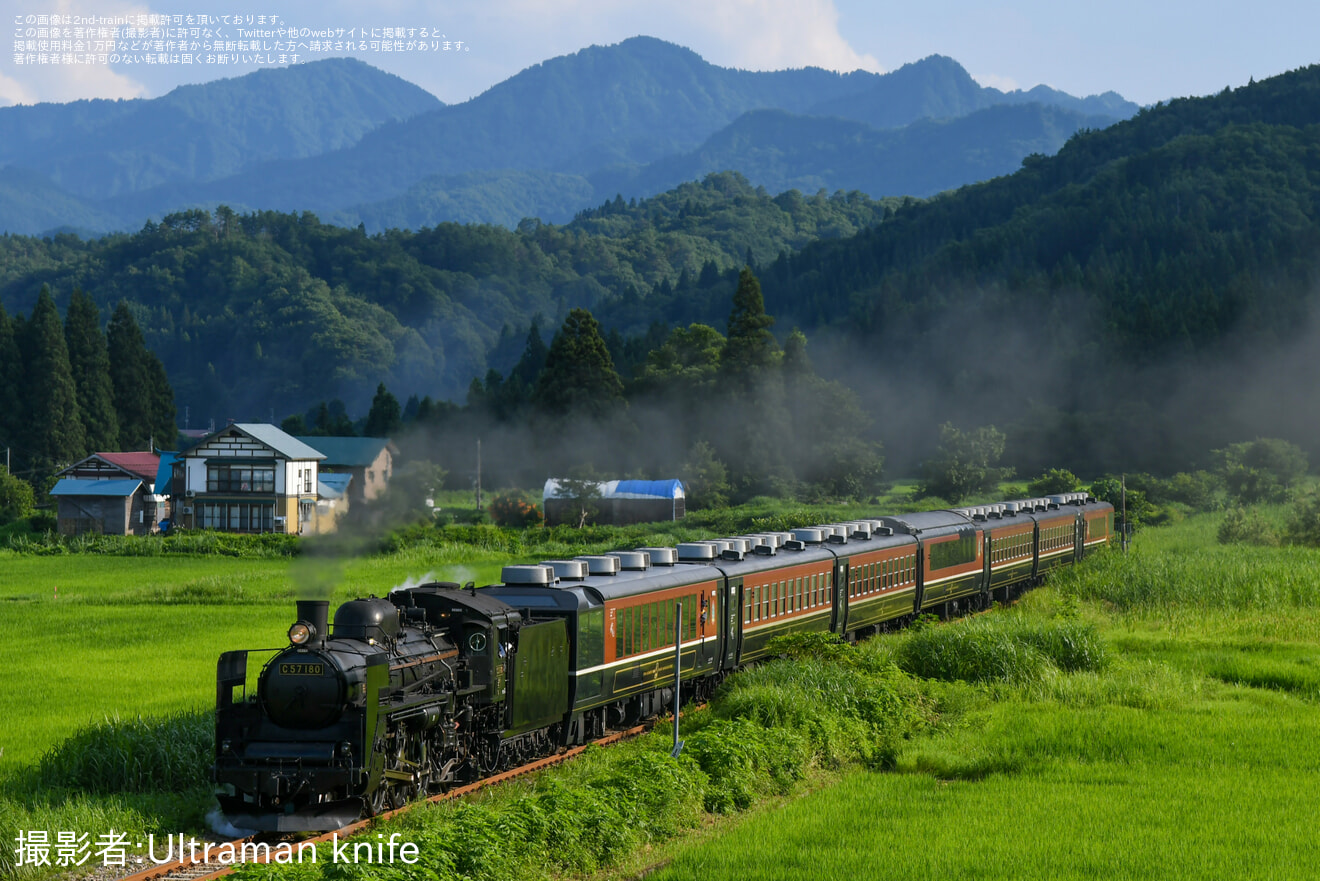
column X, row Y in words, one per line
column 111, row 494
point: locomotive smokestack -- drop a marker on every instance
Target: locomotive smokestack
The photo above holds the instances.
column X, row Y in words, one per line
column 317, row 614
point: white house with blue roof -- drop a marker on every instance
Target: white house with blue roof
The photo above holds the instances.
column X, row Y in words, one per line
column 251, row 477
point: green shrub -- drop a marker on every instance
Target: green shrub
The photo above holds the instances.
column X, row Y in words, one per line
column 743, row 759
column 1263, row 470
column 857, row 712
column 1246, row 526
column 969, row 651
column 1198, row 490
column 1052, row 482
column 16, row 497
column 516, row 509
column 1303, row 521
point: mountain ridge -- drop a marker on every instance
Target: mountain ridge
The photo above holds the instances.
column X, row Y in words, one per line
column 529, row 146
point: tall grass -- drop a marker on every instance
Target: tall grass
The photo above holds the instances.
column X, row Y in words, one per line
column 135, row 755
column 1000, row 648
column 203, row 542
column 1237, row 577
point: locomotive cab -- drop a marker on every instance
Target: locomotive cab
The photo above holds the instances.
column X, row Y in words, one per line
column 483, row 631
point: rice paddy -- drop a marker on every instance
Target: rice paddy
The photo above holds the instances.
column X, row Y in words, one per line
column 1190, row 753
column 1147, row 716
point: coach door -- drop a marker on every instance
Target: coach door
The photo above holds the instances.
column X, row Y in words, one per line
column 842, row 572
column 731, row 633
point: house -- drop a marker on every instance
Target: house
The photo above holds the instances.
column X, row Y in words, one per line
column 250, row 477
column 111, row 494
column 370, row 460
column 332, row 499
column 619, row 502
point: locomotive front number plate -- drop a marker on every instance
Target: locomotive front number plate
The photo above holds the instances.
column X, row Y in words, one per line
column 302, row 669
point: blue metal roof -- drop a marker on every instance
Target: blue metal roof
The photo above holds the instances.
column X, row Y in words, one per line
column 69, row 486
column 352, row 452
column 624, row 489
column 332, row 486
column 165, row 474
column 662, row 489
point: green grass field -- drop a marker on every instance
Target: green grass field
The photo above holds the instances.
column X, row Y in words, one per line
column 92, row 637
column 1191, row 755
column 1182, row 746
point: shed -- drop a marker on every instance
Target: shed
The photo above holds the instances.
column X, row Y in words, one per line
column 620, row 502
column 103, row 507
column 86, row 507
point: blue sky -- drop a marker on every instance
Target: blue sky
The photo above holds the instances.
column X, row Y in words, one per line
column 1146, row 51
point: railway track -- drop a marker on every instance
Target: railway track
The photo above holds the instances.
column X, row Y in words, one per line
column 194, row 867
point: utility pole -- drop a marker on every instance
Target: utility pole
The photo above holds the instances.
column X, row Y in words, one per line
column 1125, row 523
column 478, row 474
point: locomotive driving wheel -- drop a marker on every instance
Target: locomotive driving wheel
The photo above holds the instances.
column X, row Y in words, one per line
column 379, row 800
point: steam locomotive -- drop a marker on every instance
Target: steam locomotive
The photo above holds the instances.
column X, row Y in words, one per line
column 439, row 685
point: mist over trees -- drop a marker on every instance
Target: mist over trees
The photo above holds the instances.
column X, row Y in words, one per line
column 729, row 414
column 1140, row 299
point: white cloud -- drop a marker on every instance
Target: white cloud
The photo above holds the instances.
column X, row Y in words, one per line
column 14, row 92
column 28, row 84
column 995, row 81
column 770, row 34
column 750, row 34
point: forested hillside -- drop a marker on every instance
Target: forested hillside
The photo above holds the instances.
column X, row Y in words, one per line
column 270, row 311
column 1165, row 269
column 1143, row 297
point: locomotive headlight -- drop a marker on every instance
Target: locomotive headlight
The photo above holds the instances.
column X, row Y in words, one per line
column 300, row 633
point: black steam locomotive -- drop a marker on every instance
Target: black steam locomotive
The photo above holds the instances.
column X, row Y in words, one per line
column 439, row 685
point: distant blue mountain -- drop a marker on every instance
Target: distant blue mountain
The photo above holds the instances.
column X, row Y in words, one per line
column 636, row 117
